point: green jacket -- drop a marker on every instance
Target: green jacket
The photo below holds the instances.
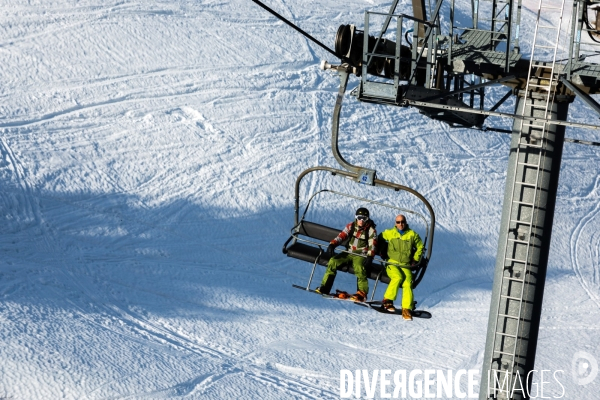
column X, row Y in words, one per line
column 401, row 249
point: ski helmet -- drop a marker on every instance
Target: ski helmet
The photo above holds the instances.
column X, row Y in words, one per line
column 363, row 212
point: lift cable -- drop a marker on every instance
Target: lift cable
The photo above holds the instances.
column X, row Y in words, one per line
column 304, row 33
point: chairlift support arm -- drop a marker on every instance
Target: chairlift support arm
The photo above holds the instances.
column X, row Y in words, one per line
column 363, row 175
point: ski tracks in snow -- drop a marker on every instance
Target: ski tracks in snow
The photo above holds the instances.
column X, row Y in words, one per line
column 25, row 199
column 585, row 247
column 162, row 128
column 138, row 328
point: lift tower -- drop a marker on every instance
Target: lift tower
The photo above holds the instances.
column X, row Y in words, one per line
column 409, row 61
column 446, row 77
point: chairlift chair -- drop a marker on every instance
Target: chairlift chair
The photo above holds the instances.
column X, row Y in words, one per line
column 309, row 240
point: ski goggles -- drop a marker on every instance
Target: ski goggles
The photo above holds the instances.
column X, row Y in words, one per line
column 362, row 218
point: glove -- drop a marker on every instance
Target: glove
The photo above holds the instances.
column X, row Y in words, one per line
column 330, row 251
column 382, row 248
column 368, row 262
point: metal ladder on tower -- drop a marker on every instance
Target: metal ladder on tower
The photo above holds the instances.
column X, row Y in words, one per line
column 546, row 70
column 539, row 95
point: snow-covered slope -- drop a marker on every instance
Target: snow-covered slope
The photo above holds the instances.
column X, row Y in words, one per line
column 148, row 152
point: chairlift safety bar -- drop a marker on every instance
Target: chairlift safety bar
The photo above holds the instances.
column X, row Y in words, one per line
column 367, row 201
column 319, row 245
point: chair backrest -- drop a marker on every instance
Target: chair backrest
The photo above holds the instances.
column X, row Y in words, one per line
column 311, row 252
column 317, row 231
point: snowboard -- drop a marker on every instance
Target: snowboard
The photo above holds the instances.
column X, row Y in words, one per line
column 378, row 306
column 374, row 305
column 345, row 296
column 335, row 296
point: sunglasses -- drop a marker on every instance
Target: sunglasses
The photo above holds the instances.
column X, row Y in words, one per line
column 401, row 222
column 362, row 218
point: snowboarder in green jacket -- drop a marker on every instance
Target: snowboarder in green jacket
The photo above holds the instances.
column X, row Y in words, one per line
column 402, row 246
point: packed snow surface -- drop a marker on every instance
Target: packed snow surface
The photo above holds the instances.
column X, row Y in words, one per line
column 148, row 155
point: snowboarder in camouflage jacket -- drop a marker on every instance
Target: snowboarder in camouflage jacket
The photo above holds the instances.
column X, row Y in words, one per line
column 362, row 241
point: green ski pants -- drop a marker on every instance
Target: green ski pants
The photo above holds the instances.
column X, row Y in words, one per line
column 357, row 264
column 400, row 276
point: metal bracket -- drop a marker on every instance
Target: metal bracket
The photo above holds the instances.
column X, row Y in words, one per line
column 367, row 176
column 582, row 95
